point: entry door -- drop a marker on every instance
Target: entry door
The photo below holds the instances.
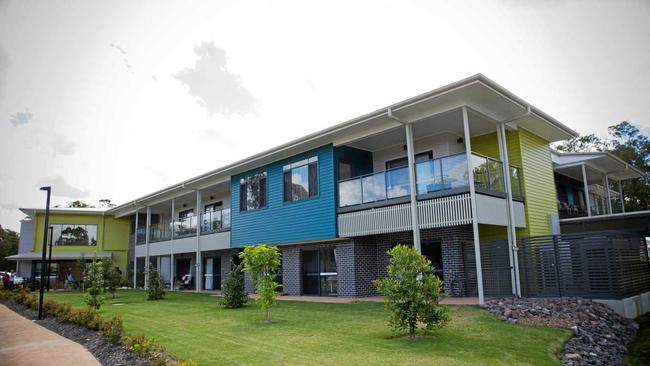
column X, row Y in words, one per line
column 310, row 272
column 319, row 272
column 433, row 252
column 209, row 268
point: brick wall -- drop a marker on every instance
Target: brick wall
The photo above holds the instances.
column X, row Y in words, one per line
column 363, row 259
column 291, row 271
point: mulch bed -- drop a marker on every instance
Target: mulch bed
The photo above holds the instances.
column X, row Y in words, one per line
column 106, row 353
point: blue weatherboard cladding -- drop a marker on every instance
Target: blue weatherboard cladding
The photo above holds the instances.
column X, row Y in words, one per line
column 287, row 222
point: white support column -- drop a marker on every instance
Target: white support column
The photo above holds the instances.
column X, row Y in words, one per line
column 512, row 233
column 620, row 192
column 415, row 224
column 586, row 188
column 171, row 249
column 472, row 192
column 146, row 243
column 609, row 199
column 135, row 246
column 198, row 244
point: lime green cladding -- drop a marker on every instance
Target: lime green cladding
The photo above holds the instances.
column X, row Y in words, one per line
column 532, row 154
column 112, row 235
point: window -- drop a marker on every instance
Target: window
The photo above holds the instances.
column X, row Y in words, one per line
column 402, row 162
column 300, row 179
column 73, row 234
column 213, row 207
column 185, row 214
column 252, row 192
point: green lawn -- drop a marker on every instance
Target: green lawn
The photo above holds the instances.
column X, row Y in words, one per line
column 194, row 326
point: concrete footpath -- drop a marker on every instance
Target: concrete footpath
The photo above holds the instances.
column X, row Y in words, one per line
column 25, row 343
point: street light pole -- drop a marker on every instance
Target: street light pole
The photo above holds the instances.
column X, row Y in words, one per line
column 46, row 226
column 49, row 258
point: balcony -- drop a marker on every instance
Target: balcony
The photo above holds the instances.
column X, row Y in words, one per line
column 434, row 178
column 215, row 221
column 378, row 203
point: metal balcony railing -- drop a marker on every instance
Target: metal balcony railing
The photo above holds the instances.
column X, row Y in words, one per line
column 447, row 173
column 213, row 221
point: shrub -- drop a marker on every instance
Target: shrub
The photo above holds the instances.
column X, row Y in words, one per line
column 234, row 294
column 262, row 262
column 87, row 317
column 155, row 285
column 95, row 283
column 142, row 346
column 31, row 302
column 411, row 292
column 113, row 329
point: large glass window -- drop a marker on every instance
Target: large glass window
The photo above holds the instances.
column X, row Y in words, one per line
column 320, row 275
column 73, row 234
column 252, row 192
column 300, row 179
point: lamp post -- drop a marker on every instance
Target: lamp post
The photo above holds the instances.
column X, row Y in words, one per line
column 46, row 226
column 49, row 258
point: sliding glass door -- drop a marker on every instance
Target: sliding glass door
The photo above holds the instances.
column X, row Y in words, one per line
column 319, row 276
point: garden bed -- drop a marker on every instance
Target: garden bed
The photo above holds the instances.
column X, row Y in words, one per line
column 105, row 352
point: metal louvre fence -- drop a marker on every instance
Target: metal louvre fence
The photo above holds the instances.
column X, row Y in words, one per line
column 595, row 265
column 495, row 265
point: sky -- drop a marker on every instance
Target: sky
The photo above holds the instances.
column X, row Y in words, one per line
column 119, row 99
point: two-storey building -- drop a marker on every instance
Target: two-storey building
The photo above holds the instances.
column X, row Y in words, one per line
column 443, row 171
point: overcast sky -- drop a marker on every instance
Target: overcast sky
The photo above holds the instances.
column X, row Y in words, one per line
column 118, row 99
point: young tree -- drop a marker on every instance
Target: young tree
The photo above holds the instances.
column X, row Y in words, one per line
column 112, row 276
column 234, row 294
column 95, row 283
column 411, row 292
column 262, row 262
column 155, row 284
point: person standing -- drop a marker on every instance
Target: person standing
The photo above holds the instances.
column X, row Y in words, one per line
column 11, row 280
column 5, row 280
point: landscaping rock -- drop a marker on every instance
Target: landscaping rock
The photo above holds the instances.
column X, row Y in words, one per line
column 600, row 334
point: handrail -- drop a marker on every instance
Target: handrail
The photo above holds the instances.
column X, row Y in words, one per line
column 378, row 191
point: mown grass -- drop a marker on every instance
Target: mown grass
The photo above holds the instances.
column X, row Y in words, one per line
column 638, row 352
column 194, row 326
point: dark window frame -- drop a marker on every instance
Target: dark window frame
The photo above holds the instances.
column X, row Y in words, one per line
column 313, row 184
column 403, row 161
column 263, row 182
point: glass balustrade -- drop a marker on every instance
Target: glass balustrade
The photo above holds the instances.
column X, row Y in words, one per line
column 431, row 176
column 185, row 227
column 160, row 232
column 141, row 235
column 212, row 221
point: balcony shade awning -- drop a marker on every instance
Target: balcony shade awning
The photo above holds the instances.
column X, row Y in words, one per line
column 31, row 256
column 598, row 165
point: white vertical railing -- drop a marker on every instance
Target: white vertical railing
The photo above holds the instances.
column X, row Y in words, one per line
column 433, row 213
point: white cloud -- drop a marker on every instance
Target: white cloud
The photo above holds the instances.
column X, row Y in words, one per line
column 62, row 145
column 215, row 88
column 61, row 188
column 21, row 118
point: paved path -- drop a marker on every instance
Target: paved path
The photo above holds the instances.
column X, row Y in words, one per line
column 25, row 343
